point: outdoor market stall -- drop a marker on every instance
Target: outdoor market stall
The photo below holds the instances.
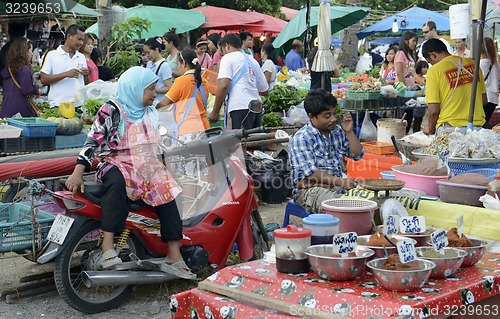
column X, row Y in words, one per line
column 256, row 289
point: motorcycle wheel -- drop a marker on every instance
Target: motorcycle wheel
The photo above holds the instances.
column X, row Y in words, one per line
column 260, row 239
column 77, row 257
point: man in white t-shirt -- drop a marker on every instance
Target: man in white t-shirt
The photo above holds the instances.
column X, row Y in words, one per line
column 65, row 69
column 241, row 78
column 429, row 32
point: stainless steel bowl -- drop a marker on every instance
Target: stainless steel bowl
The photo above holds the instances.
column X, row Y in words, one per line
column 474, row 253
column 398, row 280
column 421, row 239
column 380, row 251
column 447, row 264
column 337, row 268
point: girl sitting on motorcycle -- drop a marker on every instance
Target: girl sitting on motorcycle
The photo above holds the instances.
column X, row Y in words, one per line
column 125, row 130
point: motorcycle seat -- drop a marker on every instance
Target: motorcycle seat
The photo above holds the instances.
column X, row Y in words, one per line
column 94, row 191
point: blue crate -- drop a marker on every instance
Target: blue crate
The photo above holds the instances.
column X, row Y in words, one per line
column 70, row 141
column 34, row 126
column 488, row 172
column 459, row 168
column 15, row 226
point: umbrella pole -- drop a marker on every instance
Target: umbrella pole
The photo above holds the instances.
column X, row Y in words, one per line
column 308, row 29
column 470, row 124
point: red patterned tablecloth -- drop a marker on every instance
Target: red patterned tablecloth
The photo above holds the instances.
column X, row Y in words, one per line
column 361, row 298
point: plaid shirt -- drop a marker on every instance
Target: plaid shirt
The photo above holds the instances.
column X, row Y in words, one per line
column 311, row 151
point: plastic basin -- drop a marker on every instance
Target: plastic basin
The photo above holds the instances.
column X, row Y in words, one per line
column 424, row 183
column 355, row 215
column 461, row 193
column 388, row 175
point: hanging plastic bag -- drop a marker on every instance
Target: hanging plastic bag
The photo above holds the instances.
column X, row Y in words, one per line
column 368, row 132
column 99, row 90
column 364, row 63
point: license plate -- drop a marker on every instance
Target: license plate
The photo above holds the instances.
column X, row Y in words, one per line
column 59, row 229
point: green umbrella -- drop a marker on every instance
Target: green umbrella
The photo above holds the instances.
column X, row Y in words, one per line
column 340, row 17
column 162, row 19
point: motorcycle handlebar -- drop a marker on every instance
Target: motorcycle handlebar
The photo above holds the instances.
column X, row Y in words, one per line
column 244, row 133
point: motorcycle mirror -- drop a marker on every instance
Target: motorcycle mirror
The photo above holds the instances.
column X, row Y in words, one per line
column 255, row 106
column 163, row 131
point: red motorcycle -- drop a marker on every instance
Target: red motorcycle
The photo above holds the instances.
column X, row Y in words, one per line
column 226, row 213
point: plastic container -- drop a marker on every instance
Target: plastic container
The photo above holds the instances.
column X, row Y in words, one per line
column 461, row 193
column 424, row 183
column 388, row 127
column 15, row 227
column 322, row 226
column 355, row 215
column 362, row 95
column 388, row 175
column 290, row 245
column 34, row 126
column 7, row 131
column 70, row 141
column 488, row 172
column 381, row 148
column 25, row 144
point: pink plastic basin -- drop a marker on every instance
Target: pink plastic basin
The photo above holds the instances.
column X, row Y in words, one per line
column 355, row 215
column 422, row 183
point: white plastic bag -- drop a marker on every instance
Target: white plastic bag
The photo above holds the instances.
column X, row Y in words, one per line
column 99, row 90
column 490, row 202
column 368, row 131
column 364, row 63
column 297, row 115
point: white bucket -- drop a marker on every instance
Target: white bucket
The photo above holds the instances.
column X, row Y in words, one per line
column 459, row 13
column 388, row 127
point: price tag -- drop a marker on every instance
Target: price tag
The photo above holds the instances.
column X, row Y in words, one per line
column 460, row 225
column 59, row 229
column 391, row 225
column 412, row 224
column 345, row 243
column 439, row 240
column 406, row 251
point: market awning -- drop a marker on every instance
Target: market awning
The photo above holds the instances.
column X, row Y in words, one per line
column 413, row 18
column 227, row 19
column 162, row 19
column 340, row 17
column 289, row 12
column 268, row 24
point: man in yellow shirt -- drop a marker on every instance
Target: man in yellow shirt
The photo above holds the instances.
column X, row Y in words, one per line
column 449, row 91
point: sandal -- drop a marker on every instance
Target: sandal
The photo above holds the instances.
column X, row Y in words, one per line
column 178, row 269
column 109, row 259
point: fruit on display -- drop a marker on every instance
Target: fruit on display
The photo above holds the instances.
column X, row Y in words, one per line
column 361, row 78
column 66, row 126
column 365, row 86
column 67, row 109
column 339, row 94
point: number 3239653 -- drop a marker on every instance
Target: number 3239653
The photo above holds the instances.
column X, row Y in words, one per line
column 476, row 310
column 32, row 7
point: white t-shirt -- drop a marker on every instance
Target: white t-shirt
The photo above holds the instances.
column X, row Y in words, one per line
column 245, row 89
column 56, row 62
column 164, row 73
column 270, row 67
column 492, row 80
column 420, row 55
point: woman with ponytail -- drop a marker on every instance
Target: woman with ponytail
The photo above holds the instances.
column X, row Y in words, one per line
column 182, row 96
column 153, row 48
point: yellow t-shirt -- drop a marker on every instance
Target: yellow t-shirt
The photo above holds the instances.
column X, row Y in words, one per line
column 180, row 93
column 440, row 84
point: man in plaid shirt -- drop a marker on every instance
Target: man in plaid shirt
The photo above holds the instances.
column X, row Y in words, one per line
column 317, row 151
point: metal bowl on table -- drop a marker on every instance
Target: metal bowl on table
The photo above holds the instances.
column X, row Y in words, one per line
column 334, row 267
column 380, row 251
column 446, row 264
column 475, row 253
column 421, row 239
column 401, row 280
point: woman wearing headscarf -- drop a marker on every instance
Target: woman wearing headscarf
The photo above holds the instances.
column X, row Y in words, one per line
column 125, row 132
column 18, row 81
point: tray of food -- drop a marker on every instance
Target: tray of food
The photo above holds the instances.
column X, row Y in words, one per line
column 420, row 153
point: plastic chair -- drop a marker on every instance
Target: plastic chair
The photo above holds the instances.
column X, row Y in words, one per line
column 295, row 210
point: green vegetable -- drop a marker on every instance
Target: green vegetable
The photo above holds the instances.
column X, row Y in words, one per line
column 271, row 120
column 91, row 106
column 340, row 112
column 375, row 71
column 282, row 97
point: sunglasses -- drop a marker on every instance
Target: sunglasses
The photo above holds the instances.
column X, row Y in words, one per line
column 425, row 32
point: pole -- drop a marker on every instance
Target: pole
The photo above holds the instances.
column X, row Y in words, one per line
column 308, row 35
column 470, row 124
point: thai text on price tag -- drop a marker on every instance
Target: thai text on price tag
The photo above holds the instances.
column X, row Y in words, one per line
column 439, row 240
column 412, row 224
column 59, row 229
column 345, row 243
column 391, row 225
column 406, row 251
column 460, row 225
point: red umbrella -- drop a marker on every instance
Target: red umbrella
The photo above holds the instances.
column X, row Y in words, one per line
column 222, row 18
column 268, row 24
column 290, row 13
